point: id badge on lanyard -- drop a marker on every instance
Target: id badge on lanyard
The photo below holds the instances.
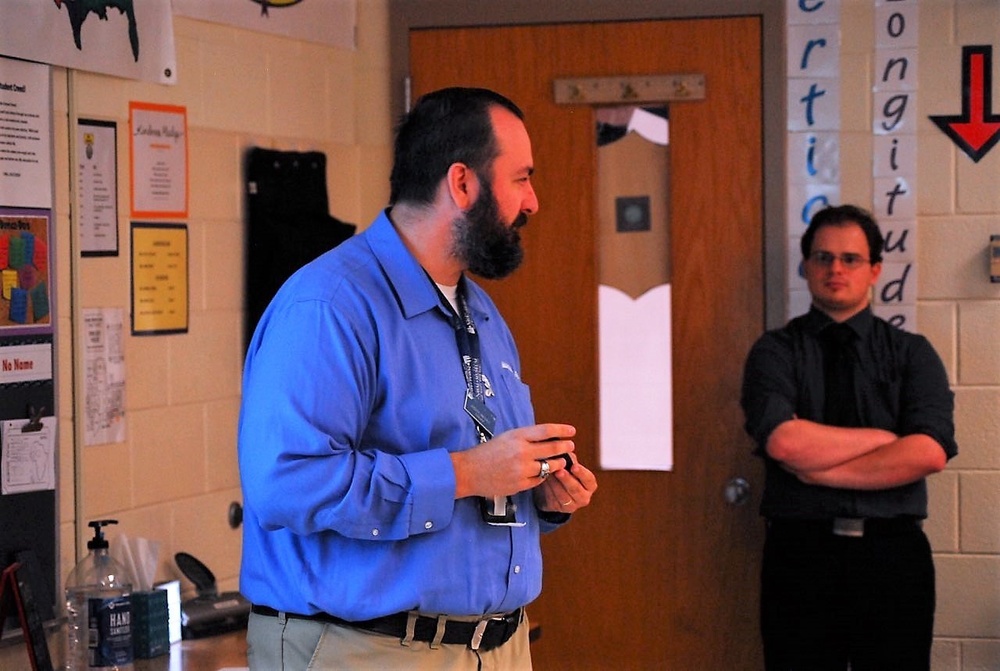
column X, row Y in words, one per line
column 500, row 510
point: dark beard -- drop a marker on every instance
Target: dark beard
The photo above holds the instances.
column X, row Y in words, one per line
column 488, row 247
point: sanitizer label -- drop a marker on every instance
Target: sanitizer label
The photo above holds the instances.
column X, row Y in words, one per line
column 110, row 625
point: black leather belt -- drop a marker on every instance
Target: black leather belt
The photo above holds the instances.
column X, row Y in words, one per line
column 852, row 527
column 485, row 634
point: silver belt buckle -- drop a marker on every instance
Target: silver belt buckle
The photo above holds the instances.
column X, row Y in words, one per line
column 849, row 526
column 477, row 635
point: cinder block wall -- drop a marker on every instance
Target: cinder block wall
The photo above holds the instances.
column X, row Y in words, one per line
column 173, row 478
column 175, row 475
column 958, row 308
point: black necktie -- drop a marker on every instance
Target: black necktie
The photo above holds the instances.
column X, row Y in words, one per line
column 838, row 375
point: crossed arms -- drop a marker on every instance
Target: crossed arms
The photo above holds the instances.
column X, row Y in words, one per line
column 853, row 458
column 917, row 408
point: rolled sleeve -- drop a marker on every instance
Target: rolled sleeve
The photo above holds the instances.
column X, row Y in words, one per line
column 928, row 403
column 768, row 395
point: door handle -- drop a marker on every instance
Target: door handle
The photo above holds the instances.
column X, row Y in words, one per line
column 736, row 492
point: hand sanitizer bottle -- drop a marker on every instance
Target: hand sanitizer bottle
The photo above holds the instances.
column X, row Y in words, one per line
column 98, row 610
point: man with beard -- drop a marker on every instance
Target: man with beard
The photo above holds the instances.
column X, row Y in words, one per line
column 395, row 482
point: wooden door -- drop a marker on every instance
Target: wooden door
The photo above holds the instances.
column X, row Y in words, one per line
column 660, row 572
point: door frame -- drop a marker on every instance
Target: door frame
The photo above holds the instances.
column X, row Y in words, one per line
column 405, row 15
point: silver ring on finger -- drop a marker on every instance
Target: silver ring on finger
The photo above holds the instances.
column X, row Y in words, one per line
column 544, row 470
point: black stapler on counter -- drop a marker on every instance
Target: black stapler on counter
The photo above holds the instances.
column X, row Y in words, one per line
column 209, row 613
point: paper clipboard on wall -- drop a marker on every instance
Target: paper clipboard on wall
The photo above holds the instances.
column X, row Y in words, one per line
column 27, row 546
column 27, row 455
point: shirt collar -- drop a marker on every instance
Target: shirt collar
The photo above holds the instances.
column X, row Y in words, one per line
column 411, row 284
column 861, row 323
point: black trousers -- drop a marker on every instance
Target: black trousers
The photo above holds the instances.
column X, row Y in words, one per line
column 828, row 601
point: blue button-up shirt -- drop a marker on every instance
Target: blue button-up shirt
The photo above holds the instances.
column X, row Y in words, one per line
column 353, row 398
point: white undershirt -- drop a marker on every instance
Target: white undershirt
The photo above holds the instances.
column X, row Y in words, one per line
column 450, row 292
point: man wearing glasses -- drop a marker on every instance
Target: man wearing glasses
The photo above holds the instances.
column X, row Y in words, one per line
column 850, row 415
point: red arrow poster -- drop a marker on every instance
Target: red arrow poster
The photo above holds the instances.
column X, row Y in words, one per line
column 976, row 130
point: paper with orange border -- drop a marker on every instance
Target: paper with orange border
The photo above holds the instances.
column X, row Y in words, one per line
column 158, row 152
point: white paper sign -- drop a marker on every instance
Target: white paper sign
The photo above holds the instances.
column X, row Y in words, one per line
column 325, row 21
column 158, row 144
column 104, row 362
column 97, row 150
column 133, row 39
column 636, row 385
column 25, row 363
column 26, row 146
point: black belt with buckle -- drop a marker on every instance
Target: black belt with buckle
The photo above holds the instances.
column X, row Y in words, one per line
column 850, row 527
column 485, row 634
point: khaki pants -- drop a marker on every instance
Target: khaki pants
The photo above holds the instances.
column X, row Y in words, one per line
column 293, row 644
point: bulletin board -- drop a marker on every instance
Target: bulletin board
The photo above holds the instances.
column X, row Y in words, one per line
column 28, row 519
column 27, row 513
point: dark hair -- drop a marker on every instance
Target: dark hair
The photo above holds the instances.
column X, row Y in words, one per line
column 447, row 126
column 845, row 214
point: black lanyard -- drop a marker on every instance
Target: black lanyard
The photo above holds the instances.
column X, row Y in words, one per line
column 467, row 339
column 500, row 510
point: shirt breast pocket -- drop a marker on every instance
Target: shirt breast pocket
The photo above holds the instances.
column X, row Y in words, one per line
column 514, row 399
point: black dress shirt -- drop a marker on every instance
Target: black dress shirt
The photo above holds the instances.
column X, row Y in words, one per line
column 899, row 384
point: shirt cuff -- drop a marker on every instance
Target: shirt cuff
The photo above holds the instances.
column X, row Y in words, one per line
column 432, row 491
column 551, row 520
